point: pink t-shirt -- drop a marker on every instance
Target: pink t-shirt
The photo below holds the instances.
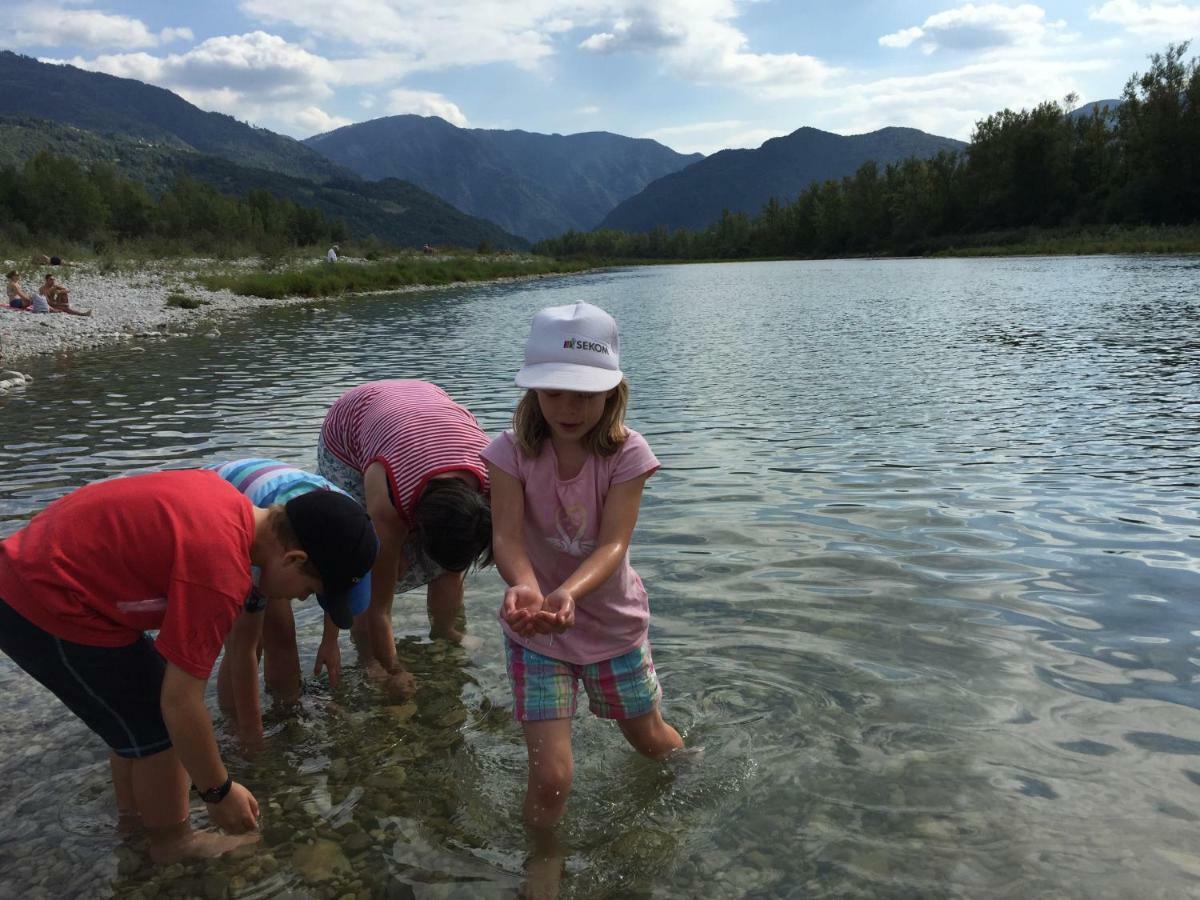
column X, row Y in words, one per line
column 562, row 524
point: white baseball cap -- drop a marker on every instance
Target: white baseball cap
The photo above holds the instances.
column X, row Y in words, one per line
column 572, row 348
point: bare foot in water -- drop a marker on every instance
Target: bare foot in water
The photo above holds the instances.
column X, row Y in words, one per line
column 128, row 823
column 468, row 642
column 543, row 878
column 198, row 845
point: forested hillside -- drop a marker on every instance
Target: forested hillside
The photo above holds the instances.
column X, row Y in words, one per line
column 1033, row 169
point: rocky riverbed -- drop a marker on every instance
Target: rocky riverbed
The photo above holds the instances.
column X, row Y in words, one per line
column 126, row 304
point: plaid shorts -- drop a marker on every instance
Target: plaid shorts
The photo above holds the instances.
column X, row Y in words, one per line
column 419, row 568
column 623, row 687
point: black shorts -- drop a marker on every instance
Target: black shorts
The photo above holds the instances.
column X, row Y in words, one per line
column 114, row 690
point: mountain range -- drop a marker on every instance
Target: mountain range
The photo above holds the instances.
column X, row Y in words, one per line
column 534, row 185
column 744, row 180
column 410, row 180
column 153, row 135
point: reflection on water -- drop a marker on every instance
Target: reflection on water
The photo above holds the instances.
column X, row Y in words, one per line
column 923, row 559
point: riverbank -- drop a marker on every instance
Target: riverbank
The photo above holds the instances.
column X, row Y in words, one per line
column 147, row 300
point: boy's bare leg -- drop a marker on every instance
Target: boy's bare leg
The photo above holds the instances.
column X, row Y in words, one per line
column 281, row 658
column 128, row 819
column 225, row 687
column 160, row 789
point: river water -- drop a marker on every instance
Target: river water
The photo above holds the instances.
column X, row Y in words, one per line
column 923, row 559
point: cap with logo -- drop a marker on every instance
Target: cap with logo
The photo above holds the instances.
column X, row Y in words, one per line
column 336, row 533
column 572, row 348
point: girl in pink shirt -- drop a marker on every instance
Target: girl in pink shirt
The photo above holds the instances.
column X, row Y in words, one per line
column 566, row 485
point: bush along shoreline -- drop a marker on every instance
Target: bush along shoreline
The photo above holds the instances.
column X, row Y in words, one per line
column 334, row 279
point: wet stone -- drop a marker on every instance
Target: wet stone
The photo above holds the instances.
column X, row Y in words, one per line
column 216, row 887
column 390, row 779
column 453, row 718
column 403, row 712
column 128, row 862
column 320, row 861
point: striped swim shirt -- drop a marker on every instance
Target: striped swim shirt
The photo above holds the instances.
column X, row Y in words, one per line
column 269, row 481
column 413, row 428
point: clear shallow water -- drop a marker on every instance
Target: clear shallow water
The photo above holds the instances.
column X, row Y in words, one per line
column 924, row 561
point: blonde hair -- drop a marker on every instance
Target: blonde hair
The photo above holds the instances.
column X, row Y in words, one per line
column 531, row 429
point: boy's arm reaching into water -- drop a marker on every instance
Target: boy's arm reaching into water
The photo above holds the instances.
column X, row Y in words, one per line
column 191, row 732
column 242, row 649
column 617, row 522
column 523, row 598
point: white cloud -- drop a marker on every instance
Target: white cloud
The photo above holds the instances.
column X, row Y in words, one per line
column 975, row 28
column 257, row 77
column 170, row 35
column 425, row 103
column 695, row 40
column 53, row 25
column 950, row 102
column 314, row 120
column 426, row 34
column 709, row 137
column 901, row 38
column 1155, row 21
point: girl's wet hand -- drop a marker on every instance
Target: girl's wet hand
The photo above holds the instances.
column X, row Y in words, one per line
column 559, row 610
column 521, row 604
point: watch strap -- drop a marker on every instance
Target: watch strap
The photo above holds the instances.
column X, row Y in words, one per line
column 217, row 794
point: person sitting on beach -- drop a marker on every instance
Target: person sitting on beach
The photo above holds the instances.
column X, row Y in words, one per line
column 266, row 482
column 84, row 580
column 17, row 298
column 410, row 454
column 332, row 255
column 57, row 297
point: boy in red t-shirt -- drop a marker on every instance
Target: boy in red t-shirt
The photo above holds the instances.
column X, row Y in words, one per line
column 172, row 551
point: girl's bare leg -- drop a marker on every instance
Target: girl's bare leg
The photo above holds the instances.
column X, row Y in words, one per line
column 551, row 768
column 650, row 736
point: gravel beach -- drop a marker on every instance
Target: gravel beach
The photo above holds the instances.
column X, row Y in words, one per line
column 125, row 304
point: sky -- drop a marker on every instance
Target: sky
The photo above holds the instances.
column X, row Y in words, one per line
column 696, row 75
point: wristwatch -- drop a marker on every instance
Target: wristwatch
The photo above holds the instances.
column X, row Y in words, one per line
column 217, row 794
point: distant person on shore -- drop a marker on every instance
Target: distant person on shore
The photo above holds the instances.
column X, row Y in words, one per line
column 332, row 255
column 567, row 485
column 272, row 635
column 17, row 298
column 57, row 297
column 410, row 454
column 84, row 580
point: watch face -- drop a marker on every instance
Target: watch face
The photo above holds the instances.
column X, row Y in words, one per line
column 255, row 602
